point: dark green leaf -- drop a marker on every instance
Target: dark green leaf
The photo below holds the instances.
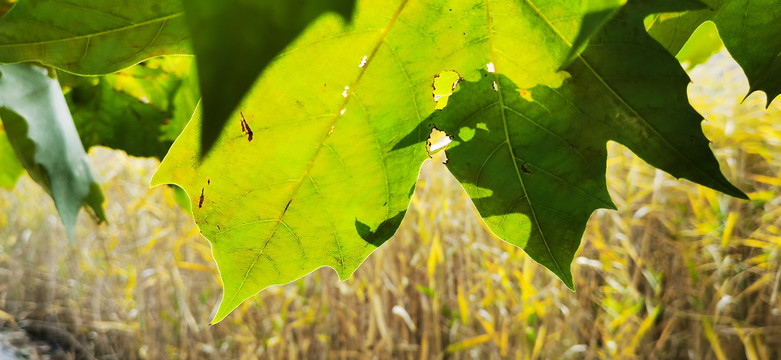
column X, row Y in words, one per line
column 41, row 131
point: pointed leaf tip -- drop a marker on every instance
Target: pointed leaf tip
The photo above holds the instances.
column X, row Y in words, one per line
column 44, row 138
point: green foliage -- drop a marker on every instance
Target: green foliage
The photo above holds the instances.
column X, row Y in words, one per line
column 313, row 163
column 41, row 131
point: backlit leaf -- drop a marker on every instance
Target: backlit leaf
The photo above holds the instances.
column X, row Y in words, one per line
column 310, row 171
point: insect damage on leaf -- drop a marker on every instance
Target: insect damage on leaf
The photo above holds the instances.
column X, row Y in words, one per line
column 200, row 202
column 444, row 84
column 245, row 127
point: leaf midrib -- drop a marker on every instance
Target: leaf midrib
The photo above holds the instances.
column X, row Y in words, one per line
column 509, row 144
column 96, row 34
column 320, row 146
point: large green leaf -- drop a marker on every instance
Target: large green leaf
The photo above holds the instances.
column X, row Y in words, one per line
column 140, row 110
column 534, row 173
column 92, row 36
column 533, row 158
column 10, row 168
column 308, row 172
column 41, row 131
column 235, row 40
column 750, row 31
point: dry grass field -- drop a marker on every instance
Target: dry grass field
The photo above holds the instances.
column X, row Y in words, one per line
column 678, row 272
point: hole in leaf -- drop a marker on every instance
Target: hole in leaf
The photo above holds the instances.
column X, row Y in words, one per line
column 437, row 141
column 444, row 84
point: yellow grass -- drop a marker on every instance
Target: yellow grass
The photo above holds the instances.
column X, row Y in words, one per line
column 679, row 271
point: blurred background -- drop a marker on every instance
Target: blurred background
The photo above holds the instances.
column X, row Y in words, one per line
column 678, row 272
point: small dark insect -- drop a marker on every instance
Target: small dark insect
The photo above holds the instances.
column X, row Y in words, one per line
column 200, row 202
column 245, row 127
column 525, row 169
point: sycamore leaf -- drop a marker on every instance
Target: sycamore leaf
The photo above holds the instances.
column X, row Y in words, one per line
column 309, row 172
column 750, row 31
column 41, row 131
column 92, row 36
column 532, row 173
column 10, row 167
column 140, row 110
column 533, row 159
column 235, row 40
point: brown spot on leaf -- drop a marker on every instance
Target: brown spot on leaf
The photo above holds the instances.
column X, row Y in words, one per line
column 200, row 202
column 245, row 127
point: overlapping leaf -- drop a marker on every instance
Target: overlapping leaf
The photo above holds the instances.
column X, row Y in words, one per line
column 41, row 131
column 750, row 31
column 235, row 40
column 92, row 36
column 140, row 110
column 308, row 172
